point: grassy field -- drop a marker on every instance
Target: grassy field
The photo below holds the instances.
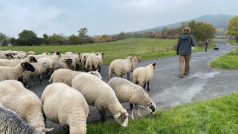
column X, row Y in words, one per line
column 229, row 61
column 233, row 42
column 219, row 116
column 148, row 49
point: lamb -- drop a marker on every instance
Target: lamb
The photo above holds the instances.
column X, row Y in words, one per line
column 94, row 62
column 11, row 123
column 24, row 102
column 100, row 94
column 143, row 75
column 65, row 105
column 68, row 75
column 127, row 91
column 12, row 73
column 121, row 67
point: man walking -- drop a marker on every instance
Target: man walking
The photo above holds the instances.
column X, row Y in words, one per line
column 184, row 50
column 206, row 45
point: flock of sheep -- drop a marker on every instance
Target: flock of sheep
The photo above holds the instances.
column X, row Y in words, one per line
column 66, row 101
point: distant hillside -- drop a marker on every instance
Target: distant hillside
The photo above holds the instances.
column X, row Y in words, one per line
column 220, row 22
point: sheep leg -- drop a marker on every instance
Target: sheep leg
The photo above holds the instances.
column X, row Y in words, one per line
column 41, row 79
column 144, row 85
column 102, row 115
column 128, row 76
column 131, row 109
column 148, row 85
column 138, row 111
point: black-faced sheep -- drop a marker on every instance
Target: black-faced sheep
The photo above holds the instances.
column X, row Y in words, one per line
column 13, row 73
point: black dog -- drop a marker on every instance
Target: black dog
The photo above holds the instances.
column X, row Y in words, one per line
column 216, row 48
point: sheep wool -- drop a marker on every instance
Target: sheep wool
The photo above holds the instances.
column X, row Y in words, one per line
column 66, row 75
column 24, row 102
column 127, row 91
column 100, row 94
column 65, row 105
column 143, row 75
column 11, row 123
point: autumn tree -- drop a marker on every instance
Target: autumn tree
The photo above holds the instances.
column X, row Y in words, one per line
column 233, row 27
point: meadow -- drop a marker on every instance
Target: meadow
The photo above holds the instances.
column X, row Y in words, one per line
column 146, row 48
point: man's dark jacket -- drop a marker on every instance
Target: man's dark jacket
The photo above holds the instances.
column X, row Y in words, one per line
column 185, row 43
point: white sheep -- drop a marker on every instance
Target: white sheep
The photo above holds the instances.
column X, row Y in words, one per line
column 67, row 106
column 121, row 67
column 127, row 91
column 66, row 75
column 100, row 94
column 11, row 123
column 13, row 73
column 24, row 102
column 94, row 62
column 143, row 75
column 14, row 62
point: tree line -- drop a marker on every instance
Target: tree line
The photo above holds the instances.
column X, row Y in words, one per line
column 201, row 31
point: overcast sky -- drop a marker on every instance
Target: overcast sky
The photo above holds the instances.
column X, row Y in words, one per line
column 102, row 16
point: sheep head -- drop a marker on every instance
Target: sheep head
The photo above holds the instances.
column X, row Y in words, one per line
column 122, row 118
column 27, row 66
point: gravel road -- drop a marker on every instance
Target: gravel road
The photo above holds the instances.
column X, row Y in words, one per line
column 167, row 90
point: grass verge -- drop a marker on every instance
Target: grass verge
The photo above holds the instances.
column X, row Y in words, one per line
column 146, row 48
column 233, row 42
column 218, row 116
column 229, row 61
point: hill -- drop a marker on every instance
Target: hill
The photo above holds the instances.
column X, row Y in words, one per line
column 219, row 21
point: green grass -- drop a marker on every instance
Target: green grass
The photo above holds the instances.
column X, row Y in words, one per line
column 229, row 61
column 232, row 42
column 147, row 49
column 219, row 116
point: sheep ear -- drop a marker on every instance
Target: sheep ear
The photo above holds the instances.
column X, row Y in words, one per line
column 154, row 64
column 47, row 130
column 117, row 115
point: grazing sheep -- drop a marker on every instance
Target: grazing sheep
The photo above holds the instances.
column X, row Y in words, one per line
column 100, row 94
column 143, row 75
column 12, row 73
column 94, row 62
column 11, row 123
column 24, row 102
column 127, row 91
column 65, row 105
column 68, row 75
column 121, row 67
